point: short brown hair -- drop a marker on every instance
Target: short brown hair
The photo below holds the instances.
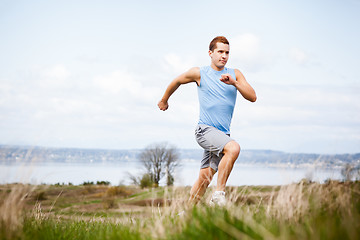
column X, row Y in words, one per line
column 221, row 39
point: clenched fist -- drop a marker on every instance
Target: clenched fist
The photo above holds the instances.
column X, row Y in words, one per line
column 163, row 105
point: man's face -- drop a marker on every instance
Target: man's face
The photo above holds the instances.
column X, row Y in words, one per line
column 220, row 55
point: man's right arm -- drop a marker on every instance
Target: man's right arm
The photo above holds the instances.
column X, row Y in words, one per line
column 192, row 75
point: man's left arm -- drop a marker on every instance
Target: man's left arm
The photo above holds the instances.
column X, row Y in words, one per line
column 241, row 85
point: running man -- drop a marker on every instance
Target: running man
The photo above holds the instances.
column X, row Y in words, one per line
column 217, row 89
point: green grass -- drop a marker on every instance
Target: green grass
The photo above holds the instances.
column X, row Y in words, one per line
column 67, row 230
column 296, row 211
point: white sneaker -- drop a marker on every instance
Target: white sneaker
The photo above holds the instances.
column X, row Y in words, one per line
column 218, row 199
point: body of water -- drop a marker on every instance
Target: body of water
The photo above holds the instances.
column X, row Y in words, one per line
column 51, row 173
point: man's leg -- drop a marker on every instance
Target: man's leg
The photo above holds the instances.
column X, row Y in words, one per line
column 201, row 184
column 231, row 152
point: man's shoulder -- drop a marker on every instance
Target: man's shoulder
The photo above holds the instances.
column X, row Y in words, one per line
column 193, row 74
column 194, row 71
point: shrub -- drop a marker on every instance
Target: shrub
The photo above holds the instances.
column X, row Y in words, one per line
column 109, row 202
column 40, row 196
column 146, row 181
column 103, row 183
column 118, row 191
column 88, row 183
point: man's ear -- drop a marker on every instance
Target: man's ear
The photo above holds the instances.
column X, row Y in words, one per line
column 210, row 53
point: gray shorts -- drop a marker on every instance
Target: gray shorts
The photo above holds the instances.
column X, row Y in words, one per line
column 213, row 142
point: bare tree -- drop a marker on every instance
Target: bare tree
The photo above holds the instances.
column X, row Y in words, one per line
column 160, row 160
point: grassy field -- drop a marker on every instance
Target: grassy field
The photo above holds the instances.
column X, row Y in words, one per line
column 297, row 211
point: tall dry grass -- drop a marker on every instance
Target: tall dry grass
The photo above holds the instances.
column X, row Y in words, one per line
column 12, row 205
column 296, row 211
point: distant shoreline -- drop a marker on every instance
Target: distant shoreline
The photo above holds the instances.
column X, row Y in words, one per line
column 268, row 158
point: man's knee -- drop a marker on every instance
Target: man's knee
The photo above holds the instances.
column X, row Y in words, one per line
column 232, row 148
column 206, row 176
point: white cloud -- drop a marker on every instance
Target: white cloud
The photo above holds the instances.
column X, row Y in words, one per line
column 50, row 77
column 58, row 71
column 246, row 53
column 126, row 86
column 245, row 46
column 299, row 118
column 119, row 81
column 176, row 64
column 298, row 55
column 306, row 105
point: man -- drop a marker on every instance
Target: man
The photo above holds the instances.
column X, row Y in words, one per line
column 217, row 90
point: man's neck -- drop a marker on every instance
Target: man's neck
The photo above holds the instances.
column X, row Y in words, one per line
column 216, row 68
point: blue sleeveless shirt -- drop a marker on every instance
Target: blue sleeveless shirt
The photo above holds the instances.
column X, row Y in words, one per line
column 217, row 99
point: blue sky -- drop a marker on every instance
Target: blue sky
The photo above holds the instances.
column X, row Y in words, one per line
column 90, row 73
